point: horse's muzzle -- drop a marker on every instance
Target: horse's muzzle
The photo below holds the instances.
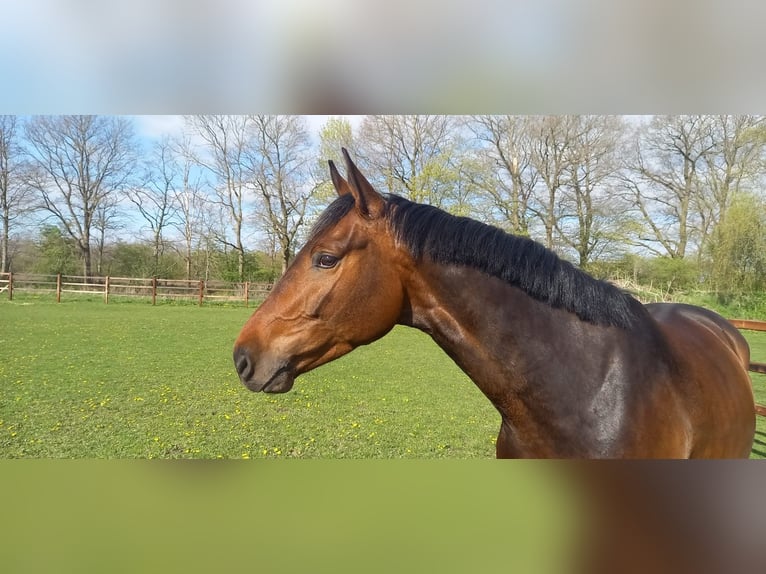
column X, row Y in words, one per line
column 279, row 380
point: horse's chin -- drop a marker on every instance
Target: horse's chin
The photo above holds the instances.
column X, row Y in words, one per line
column 281, row 382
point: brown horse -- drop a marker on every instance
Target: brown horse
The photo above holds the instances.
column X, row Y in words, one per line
column 575, row 366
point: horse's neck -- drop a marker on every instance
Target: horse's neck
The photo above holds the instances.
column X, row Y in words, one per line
column 466, row 313
column 511, row 346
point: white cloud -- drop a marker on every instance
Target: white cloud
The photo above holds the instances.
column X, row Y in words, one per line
column 155, row 126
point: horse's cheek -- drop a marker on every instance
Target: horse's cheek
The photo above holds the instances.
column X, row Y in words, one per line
column 381, row 304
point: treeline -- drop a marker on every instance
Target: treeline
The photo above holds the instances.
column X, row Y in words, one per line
column 677, row 200
column 52, row 252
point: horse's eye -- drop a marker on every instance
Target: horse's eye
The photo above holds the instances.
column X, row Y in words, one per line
column 325, row 261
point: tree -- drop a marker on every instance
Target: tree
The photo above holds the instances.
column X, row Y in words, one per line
column 733, row 165
column 192, row 215
column 587, row 222
column 335, row 134
column 281, row 163
column 663, row 176
column 225, row 155
column 57, row 252
column 14, row 194
column 106, row 218
column 80, row 162
column 738, row 247
column 552, row 139
column 414, row 156
column 156, row 198
column 505, row 172
column 131, row 260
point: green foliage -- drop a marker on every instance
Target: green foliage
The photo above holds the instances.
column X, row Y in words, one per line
column 258, row 266
column 227, row 265
column 132, row 260
column 435, row 183
column 53, row 253
column 334, row 134
column 57, row 253
column 738, row 248
column 734, row 306
column 621, row 268
column 670, row 274
column 667, row 274
column 264, row 268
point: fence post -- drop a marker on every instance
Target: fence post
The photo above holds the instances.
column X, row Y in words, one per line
column 154, row 290
column 106, row 289
column 58, row 288
column 201, row 291
column 247, row 293
column 10, row 286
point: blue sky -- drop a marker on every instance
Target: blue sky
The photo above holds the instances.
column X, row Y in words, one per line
column 152, row 127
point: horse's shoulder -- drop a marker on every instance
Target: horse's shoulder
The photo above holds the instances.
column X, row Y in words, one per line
column 685, row 324
column 683, row 313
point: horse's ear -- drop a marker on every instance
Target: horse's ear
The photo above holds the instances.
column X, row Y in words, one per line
column 369, row 203
column 341, row 185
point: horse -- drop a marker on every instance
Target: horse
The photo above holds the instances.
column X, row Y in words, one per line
column 576, row 367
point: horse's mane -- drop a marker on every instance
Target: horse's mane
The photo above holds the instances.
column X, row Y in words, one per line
column 446, row 239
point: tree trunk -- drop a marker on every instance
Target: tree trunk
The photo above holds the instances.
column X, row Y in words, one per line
column 285, row 260
column 4, row 263
column 156, row 254
column 188, row 261
column 87, row 262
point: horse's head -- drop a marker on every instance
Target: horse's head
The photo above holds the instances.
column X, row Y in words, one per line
column 342, row 290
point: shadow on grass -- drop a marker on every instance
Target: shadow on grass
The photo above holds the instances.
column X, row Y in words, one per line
column 758, row 442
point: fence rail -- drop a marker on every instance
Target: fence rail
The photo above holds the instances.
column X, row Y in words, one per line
column 750, row 325
column 153, row 288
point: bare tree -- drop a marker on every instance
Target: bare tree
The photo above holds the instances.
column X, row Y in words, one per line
column 552, row 138
column 225, row 156
column 156, row 199
column 506, row 176
column 281, row 163
column 106, row 218
column 192, row 206
column 14, row 193
column 80, row 162
column 588, row 207
column 664, row 176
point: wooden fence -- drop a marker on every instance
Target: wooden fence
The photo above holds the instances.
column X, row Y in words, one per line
column 755, row 367
column 149, row 288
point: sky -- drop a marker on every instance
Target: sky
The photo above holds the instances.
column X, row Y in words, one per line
column 152, row 127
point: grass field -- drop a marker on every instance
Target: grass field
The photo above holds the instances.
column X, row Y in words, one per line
column 87, row 380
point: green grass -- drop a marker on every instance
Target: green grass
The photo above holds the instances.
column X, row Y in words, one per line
column 87, row 380
column 757, row 342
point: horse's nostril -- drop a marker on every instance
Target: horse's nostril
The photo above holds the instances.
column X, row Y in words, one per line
column 243, row 363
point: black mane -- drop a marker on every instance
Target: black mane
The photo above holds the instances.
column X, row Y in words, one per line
column 446, row 239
